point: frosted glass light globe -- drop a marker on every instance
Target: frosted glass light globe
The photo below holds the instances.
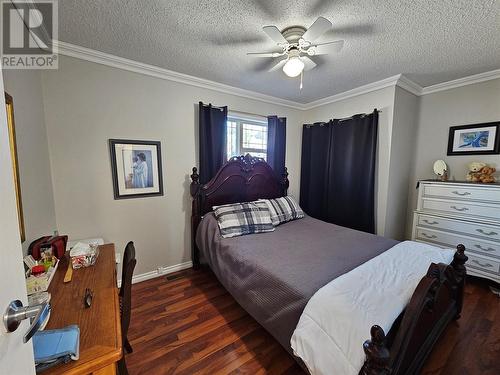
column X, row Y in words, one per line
column 293, row 67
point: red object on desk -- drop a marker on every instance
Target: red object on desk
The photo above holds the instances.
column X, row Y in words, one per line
column 37, row 270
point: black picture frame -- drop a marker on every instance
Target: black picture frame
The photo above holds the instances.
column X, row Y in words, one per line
column 117, row 191
column 455, row 129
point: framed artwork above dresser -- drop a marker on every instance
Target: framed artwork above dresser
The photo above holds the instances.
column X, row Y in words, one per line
column 459, row 212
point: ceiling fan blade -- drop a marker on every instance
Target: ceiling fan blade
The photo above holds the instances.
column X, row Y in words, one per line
column 261, row 65
column 308, row 63
column 266, row 54
column 278, row 65
column 318, row 28
column 275, row 34
column 328, row 47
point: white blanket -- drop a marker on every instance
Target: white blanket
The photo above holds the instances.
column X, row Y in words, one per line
column 337, row 319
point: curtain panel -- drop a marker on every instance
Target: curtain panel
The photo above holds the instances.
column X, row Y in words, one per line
column 338, row 171
column 276, row 143
column 212, row 133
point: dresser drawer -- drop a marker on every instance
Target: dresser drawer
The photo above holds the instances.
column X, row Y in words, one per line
column 466, row 209
column 452, row 240
column 486, row 265
column 474, row 193
column 488, row 232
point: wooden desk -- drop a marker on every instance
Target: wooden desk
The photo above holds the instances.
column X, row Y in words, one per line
column 100, row 331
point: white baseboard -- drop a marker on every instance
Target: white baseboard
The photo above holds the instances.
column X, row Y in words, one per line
column 161, row 271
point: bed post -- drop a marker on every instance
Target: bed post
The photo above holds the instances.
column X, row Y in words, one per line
column 284, row 181
column 458, row 265
column 436, row 301
column 377, row 354
column 195, row 216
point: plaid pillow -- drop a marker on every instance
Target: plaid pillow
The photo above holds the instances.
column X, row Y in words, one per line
column 243, row 218
column 283, row 209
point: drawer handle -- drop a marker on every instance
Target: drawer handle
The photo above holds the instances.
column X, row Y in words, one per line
column 486, row 233
column 428, row 235
column 484, row 248
column 486, row 265
column 461, row 194
column 430, row 222
column 461, row 209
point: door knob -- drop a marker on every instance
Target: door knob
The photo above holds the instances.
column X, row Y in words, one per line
column 16, row 313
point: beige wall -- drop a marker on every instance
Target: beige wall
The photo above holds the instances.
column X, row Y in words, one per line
column 33, row 155
column 383, row 100
column 85, row 105
column 404, row 131
column 470, row 104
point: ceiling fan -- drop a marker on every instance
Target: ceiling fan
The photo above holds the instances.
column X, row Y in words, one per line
column 296, row 45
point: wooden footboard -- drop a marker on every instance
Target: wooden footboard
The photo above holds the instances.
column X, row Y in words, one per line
column 437, row 300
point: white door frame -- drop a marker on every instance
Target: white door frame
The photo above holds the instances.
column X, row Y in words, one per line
column 16, row 358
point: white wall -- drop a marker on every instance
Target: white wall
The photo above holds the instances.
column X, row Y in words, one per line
column 470, row 104
column 404, row 131
column 383, row 100
column 32, row 148
column 85, row 105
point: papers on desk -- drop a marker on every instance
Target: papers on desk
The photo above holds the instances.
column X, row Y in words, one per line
column 84, row 255
column 87, row 241
column 78, row 249
column 56, row 346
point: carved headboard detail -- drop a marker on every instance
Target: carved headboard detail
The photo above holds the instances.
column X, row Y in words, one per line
column 241, row 179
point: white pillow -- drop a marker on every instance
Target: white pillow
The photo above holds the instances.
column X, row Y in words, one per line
column 283, row 209
column 239, row 219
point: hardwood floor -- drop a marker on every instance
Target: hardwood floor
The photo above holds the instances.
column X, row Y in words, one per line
column 187, row 323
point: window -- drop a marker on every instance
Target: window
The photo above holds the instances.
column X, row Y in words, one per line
column 246, row 136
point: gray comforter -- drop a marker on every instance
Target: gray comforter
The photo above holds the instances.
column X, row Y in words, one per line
column 273, row 275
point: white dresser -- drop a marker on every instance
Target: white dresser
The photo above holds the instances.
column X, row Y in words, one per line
column 450, row 213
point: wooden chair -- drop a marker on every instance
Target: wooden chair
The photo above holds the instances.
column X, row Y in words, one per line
column 125, row 294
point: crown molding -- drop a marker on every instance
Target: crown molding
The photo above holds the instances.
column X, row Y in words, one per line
column 400, row 80
column 470, row 80
column 87, row 54
column 387, row 82
column 407, row 84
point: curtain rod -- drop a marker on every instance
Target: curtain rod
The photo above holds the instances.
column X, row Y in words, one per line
column 359, row 114
column 235, row 112
column 213, row 106
column 346, row 118
column 246, row 113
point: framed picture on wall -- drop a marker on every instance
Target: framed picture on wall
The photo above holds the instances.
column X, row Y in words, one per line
column 477, row 139
column 9, row 106
column 136, row 168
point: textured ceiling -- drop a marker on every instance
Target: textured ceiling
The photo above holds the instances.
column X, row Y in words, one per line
column 430, row 41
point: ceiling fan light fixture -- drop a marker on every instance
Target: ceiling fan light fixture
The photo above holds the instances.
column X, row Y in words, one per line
column 293, row 67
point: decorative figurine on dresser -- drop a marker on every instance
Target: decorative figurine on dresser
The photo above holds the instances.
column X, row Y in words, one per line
column 461, row 212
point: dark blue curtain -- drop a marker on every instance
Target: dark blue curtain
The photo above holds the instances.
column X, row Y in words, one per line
column 314, row 166
column 338, row 171
column 276, row 143
column 212, row 132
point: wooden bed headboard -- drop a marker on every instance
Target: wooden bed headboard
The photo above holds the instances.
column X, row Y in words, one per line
column 241, row 179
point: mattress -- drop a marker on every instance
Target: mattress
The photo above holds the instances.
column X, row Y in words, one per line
column 273, row 275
